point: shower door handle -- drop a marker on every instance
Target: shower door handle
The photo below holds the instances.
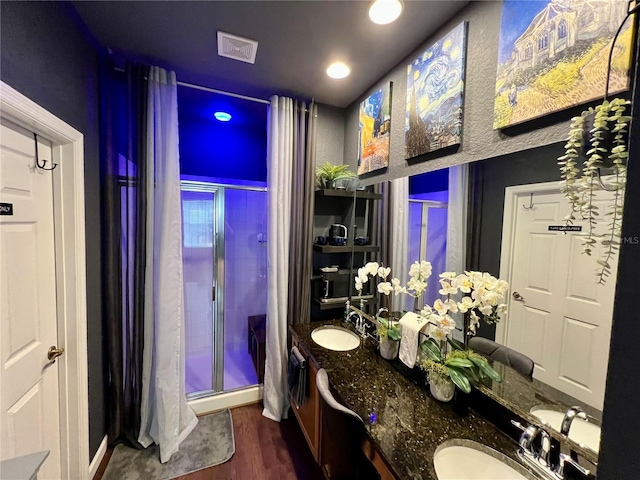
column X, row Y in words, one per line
column 213, row 293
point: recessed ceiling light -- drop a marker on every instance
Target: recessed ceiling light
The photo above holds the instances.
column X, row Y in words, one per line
column 385, row 11
column 338, row 70
column 222, row 116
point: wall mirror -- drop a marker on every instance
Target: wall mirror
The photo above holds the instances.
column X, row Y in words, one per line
column 504, row 216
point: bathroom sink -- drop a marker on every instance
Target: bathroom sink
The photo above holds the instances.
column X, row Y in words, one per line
column 460, row 459
column 335, row 338
column 585, row 433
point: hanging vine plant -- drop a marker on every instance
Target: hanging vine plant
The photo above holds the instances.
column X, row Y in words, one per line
column 606, row 147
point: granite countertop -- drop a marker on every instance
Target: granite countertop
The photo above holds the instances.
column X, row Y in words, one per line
column 409, row 423
column 520, row 395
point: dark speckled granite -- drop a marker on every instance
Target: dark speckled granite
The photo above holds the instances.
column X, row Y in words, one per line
column 409, row 424
column 520, row 395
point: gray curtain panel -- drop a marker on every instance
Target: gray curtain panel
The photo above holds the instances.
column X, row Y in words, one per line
column 124, row 219
column 302, row 205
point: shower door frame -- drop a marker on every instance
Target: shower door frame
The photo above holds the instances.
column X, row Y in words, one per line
column 218, row 190
column 424, row 212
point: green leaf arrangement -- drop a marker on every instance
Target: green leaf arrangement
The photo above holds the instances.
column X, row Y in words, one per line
column 327, row 173
column 388, row 330
column 581, row 191
column 463, row 367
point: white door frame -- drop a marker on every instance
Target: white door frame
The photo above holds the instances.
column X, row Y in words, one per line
column 508, row 235
column 69, row 232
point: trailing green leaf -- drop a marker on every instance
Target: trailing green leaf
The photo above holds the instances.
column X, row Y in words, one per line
column 431, row 350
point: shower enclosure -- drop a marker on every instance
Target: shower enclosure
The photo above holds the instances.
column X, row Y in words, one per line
column 428, row 239
column 224, row 257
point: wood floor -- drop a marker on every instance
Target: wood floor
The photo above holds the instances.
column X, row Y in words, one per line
column 265, row 450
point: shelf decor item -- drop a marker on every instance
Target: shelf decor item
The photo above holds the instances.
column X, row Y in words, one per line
column 552, row 55
column 328, row 174
column 374, row 131
column 435, row 85
column 606, row 147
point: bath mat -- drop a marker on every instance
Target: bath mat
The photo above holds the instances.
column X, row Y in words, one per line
column 210, row 443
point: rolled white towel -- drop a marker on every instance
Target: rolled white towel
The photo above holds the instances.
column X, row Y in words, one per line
column 410, row 325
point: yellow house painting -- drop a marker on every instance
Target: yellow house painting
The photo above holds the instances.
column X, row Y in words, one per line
column 553, row 55
column 375, row 123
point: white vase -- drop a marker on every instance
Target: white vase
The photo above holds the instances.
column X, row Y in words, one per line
column 442, row 389
column 389, row 348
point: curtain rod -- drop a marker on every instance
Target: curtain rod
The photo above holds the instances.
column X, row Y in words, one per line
column 213, row 90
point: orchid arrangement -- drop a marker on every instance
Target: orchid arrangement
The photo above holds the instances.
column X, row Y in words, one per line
column 484, row 300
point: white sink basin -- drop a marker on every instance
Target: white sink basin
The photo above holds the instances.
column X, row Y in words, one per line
column 335, row 338
column 467, row 460
column 585, row 433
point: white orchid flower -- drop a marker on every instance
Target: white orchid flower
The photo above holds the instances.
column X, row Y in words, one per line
column 486, row 310
column 358, row 284
column 448, row 275
column 465, row 305
column 414, row 270
column 362, row 275
column 447, row 288
column 437, row 334
column 425, row 269
column 452, row 305
column 440, row 307
column 447, row 324
column 385, row 288
column 397, row 288
column 383, row 272
column 372, row 268
column 463, row 283
column 502, row 309
column 426, row 312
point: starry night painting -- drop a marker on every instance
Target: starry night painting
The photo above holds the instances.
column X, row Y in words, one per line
column 554, row 55
column 375, row 122
column 435, row 86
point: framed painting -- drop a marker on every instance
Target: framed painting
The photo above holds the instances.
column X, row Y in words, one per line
column 553, row 55
column 374, row 131
column 435, row 87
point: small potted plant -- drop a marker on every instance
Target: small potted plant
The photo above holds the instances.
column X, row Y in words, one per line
column 389, row 335
column 328, row 174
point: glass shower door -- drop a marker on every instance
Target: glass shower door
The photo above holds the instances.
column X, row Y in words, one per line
column 199, row 266
column 225, row 269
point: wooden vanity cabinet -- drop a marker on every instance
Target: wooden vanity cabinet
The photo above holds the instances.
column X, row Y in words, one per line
column 308, row 414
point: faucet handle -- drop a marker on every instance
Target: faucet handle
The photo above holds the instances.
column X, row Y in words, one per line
column 528, row 434
column 562, row 462
column 545, row 448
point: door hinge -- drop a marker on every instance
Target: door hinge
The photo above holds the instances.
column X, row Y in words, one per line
column 213, row 293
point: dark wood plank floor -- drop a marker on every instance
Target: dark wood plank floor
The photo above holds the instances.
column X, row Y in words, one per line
column 265, row 450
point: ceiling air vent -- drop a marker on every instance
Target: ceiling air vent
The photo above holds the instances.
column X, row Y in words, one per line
column 238, row 48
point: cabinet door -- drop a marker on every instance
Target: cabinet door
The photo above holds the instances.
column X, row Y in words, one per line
column 308, row 414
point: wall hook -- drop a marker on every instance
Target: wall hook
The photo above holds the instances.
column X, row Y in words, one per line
column 44, row 162
column 530, row 203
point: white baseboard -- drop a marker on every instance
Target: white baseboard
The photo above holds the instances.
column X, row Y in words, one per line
column 97, row 458
column 232, row 399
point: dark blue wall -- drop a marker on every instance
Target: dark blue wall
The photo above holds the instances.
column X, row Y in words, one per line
column 220, row 149
column 436, row 181
column 48, row 55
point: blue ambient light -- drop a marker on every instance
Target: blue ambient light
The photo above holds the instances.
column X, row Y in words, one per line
column 222, row 116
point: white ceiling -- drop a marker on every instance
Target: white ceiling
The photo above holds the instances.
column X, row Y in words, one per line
column 297, row 40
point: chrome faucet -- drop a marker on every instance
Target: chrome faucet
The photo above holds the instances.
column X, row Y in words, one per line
column 569, row 417
column 359, row 323
column 540, row 461
column 382, row 310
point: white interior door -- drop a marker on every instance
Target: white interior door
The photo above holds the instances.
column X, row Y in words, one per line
column 563, row 319
column 29, row 381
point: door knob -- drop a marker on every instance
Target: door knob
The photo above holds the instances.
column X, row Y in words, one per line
column 518, row 297
column 54, row 352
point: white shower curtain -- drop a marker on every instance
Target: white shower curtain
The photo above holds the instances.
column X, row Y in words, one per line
column 166, row 419
column 457, row 227
column 400, row 240
column 279, row 170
